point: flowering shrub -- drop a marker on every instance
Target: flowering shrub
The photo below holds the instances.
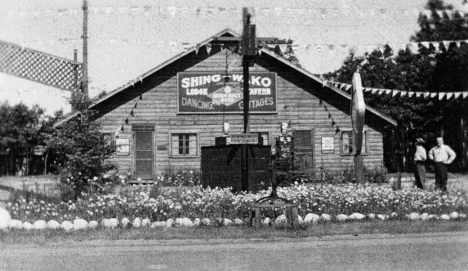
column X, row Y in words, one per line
column 221, row 203
column 179, row 178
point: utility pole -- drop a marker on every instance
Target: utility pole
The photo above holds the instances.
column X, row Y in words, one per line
column 248, row 59
column 85, row 48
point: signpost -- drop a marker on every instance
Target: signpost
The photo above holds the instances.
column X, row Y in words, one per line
column 358, row 110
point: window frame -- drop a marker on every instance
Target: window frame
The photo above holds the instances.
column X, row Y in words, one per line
column 174, row 153
column 365, row 149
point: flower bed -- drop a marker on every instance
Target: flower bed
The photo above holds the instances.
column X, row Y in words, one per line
column 218, row 203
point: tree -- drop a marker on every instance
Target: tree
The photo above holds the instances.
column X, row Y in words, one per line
column 82, row 150
column 428, row 70
column 20, row 131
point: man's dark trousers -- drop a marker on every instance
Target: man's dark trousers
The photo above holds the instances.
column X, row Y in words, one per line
column 441, row 176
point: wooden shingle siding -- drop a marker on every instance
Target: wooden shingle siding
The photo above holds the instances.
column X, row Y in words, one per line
column 300, row 100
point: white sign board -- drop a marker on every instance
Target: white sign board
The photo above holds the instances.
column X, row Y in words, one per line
column 243, row 139
column 328, row 145
column 122, row 146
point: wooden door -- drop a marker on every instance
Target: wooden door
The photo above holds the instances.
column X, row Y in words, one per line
column 304, row 149
column 144, row 158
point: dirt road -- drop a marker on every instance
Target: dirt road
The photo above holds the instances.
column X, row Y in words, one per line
column 445, row 251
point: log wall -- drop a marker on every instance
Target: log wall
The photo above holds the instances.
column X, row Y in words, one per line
column 300, row 99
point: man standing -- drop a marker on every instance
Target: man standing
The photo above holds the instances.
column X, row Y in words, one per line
column 419, row 168
column 442, row 155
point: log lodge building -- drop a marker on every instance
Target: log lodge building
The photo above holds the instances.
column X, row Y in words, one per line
column 162, row 119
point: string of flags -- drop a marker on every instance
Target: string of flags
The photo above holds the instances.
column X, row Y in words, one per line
column 220, row 11
column 127, row 119
column 176, row 46
column 402, row 93
column 333, row 123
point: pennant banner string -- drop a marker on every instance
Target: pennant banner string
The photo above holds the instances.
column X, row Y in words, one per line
column 402, row 93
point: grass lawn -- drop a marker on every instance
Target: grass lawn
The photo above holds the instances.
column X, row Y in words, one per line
column 14, row 237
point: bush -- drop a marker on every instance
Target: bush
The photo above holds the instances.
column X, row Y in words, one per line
column 82, row 150
column 179, row 177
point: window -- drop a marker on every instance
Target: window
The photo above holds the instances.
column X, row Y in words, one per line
column 184, row 144
column 347, row 143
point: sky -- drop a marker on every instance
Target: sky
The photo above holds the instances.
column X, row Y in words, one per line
column 129, row 37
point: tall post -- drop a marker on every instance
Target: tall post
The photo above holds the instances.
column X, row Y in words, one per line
column 76, row 85
column 358, row 109
column 85, row 47
column 245, row 65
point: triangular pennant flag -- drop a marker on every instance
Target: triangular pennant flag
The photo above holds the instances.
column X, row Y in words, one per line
column 441, row 95
column 449, row 95
column 326, row 109
column 465, row 94
column 410, row 93
column 208, row 47
column 381, row 91
column 388, row 91
column 456, row 95
column 333, row 123
column 283, row 47
column 320, row 102
column 427, row 94
column 425, row 44
column 433, row 95
column 446, row 44
column 122, row 129
column 436, row 45
column 259, row 51
column 440, row 13
column 413, row 47
column 374, row 90
column 427, row 12
column 348, row 87
column 295, row 47
column 367, row 89
column 135, row 105
column 141, row 97
column 403, row 93
column 394, row 93
column 337, row 130
column 126, row 121
column 329, row 115
column 131, row 112
column 457, row 43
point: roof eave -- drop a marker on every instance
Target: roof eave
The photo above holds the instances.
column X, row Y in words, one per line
column 326, row 84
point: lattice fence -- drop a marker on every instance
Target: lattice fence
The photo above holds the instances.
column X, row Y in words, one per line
column 40, row 67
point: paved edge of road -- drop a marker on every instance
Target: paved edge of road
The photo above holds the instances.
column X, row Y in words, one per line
column 173, row 242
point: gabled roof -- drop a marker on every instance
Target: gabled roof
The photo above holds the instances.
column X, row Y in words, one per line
column 203, row 43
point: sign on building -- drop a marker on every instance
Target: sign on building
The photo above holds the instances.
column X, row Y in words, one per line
column 219, row 93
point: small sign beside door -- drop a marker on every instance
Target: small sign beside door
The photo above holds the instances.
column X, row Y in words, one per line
column 122, row 146
column 328, row 145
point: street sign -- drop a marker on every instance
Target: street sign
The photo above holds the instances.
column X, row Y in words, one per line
column 243, row 139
